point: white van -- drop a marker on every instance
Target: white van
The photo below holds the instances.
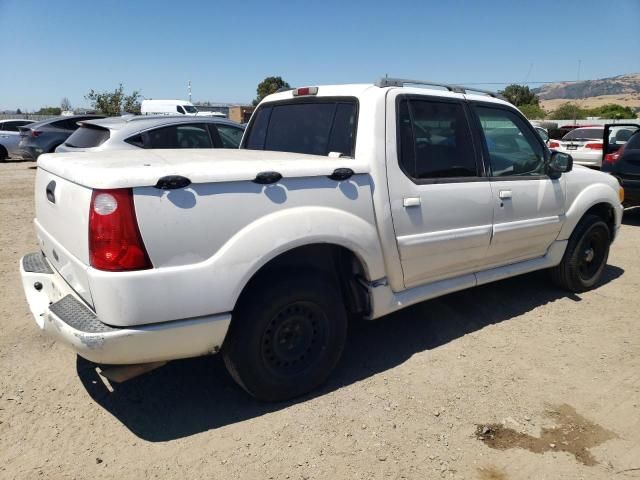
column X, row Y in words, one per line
column 167, row 107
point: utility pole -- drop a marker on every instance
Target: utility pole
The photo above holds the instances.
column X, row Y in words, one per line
column 189, row 91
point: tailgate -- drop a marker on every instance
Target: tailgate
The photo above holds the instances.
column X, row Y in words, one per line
column 62, row 219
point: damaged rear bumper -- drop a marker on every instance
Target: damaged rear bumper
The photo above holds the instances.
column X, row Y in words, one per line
column 62, row 314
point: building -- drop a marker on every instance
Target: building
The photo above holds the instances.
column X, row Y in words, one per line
column 240, row 113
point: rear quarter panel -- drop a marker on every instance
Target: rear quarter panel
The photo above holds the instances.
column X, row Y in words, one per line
column 206, row 241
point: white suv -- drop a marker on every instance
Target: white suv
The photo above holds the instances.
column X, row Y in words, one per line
column 342, row 200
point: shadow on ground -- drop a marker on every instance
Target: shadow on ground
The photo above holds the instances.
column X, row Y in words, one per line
column 191, row 396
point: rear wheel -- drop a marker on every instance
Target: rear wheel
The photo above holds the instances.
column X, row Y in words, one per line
column 586, row 255
column 3, row 154
column 286, row 336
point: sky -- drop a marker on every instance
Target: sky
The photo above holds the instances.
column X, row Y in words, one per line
column 55, row 49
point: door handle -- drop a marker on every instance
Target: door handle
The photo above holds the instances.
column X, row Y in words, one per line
column 504, row 194
column 411, row 202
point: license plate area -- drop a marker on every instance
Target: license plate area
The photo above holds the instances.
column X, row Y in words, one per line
column 572, row 147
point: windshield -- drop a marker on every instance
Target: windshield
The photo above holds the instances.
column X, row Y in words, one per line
column 585, row 134
column 315, row 128
column 190, row 109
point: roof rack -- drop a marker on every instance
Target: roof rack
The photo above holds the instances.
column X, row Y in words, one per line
column 401, row 82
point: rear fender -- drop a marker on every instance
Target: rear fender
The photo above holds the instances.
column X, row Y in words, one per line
column 283, row 231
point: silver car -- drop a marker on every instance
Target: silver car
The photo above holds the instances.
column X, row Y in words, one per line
column 161, row 131
column 10, row 137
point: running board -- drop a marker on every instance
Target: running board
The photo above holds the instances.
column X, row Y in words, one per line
column 385, row 301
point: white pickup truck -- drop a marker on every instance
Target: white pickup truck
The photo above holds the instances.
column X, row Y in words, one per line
column 343, row 200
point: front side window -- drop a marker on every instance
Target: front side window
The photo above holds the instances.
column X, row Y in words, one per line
column 434, row 140
column 179, row 109
column 315, row 128
column 230, row 136
column 190, row 109
column 179, row 136
column 513, row 148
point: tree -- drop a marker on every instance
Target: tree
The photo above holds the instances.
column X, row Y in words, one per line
column 18, row 112
column 520, row 95
column 568, row 111
column 49, row 111
column 612, row 110
column 268, row 86
column 532, row 111
column 65, row 105
column 116, row 102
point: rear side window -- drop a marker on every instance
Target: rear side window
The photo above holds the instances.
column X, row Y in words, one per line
column 12, row 126
column 230, row 136
column 88, row 137
column 434, row 140
column 315, row 128
column 190, row 135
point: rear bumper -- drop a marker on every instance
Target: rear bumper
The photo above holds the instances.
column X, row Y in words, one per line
column 62, row 314
column 29, row 153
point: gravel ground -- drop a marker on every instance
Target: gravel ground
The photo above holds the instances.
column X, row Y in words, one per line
column 511, row 380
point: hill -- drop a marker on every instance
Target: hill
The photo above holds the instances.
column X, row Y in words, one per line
column 621, row 85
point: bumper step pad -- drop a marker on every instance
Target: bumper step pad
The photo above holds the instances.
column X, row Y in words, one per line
column 35, row 263
column 76, row 315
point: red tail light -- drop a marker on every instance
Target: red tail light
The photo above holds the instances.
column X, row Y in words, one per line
column 35, row 133
column 554, row 144
column 594, row 146
column 115, row 243
column 612, row 158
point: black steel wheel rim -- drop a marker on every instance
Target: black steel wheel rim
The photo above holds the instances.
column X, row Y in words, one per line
column 591, row 253
column 294, row 339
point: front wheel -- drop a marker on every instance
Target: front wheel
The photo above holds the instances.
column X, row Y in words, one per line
column 286, row 336
column 586, row 255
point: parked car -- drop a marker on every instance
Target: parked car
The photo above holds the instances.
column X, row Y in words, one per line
column 342, row 200
column 585, row 144
column 623, row 162
column 45, row 136
column 133, row 132
column 167, row 107
column 544, row 134
column 10, row 137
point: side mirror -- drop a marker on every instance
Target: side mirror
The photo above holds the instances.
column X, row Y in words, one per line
column 559, row 163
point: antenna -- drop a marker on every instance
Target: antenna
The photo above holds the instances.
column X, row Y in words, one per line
column 189, row 88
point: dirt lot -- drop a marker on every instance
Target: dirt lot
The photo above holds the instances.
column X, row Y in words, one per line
column 512, row 380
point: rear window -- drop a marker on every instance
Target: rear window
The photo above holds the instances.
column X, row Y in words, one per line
column 585, row 133
column 88, row 137
column 315, row 128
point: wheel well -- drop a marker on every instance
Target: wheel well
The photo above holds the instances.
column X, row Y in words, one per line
column 606, row 212
column 337, row 261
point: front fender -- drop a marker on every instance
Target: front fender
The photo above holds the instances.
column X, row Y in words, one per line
column 590, row 196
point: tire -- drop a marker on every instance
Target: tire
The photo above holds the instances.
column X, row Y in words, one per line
column 586, row 255
column 3, row 154
column 286, row 336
